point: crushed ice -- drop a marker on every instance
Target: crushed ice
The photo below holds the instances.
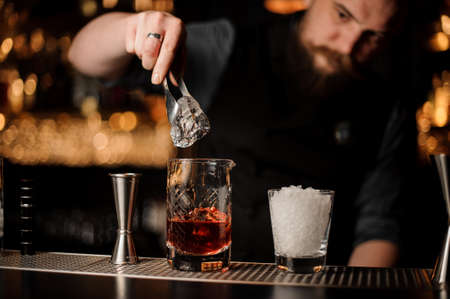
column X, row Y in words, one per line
column 299, row 220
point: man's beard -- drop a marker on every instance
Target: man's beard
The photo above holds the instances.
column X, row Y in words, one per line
column 315, row 81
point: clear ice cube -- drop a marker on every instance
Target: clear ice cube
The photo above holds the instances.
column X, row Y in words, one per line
column 205, row 214
column 190, row 124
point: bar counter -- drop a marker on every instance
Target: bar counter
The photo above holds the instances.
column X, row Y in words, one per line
column 64, row 275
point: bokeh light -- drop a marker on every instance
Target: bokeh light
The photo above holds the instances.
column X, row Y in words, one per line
column 284, row 6
column 439, row 42
column 160, row 5
column 30, row 84
column 2, row 121
column 19, row 42
column 7, row 45
column 100, row 141
column 128, row 121
column 17, row 87
column 109, row 3
column 89, row 105
column 432, row 118
column 64, row 44
column 37, row 40
column 114, row 121
column 445, row 23
column 89, row 8
column 94, row 121
column 431, row 143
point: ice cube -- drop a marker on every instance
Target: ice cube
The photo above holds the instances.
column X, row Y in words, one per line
column 205, row 214
column 190, row 123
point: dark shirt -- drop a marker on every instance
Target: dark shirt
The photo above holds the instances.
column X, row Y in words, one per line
column 263, row 117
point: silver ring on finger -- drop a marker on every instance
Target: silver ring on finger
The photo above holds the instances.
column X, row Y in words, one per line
column 155, row 35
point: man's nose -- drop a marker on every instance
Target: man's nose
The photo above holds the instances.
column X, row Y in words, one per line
column 349, row 41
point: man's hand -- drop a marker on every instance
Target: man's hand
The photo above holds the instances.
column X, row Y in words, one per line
column 105, row 46
column 375, row 253
column 157, row 54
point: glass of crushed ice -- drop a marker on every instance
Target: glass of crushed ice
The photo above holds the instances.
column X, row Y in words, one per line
column 300, row 225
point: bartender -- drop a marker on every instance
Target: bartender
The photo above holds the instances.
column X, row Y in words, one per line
column 293, row 100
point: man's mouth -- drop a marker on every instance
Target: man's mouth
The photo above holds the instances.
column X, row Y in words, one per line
column 330, row 62
column 324, row 64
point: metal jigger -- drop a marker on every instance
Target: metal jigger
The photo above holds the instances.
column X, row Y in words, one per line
column 440, row 270
column 125, row 189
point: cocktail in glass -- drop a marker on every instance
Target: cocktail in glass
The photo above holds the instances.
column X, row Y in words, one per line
column 199, row 214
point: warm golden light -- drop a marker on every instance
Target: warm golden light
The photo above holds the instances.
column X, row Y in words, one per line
column 18, row 152
column 433, row 118
column 439, row 42
column 64, row 44
column 37, row 40
column 10, row 135
column 89, row 106
column 19, row 42
column 7, row 45
column 424, row 124
column 114, row 120
column 109, row 3
column 427, row 108
column 128, row 121
column 161, row 5
column 74, row 141
column 30, row 85
column 284, row 6
column 8, row 75
column 440, row 116
column 89, row 8
column 157, row 107
column 2, row 121
column 431, row 143
column 441, row 101
column 445, row 23
column 17, row 87
column 94, row 121
column 100, row 141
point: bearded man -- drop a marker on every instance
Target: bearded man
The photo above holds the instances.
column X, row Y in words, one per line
column 292, row 100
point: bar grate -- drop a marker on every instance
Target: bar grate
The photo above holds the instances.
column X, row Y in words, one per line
column 239, row 272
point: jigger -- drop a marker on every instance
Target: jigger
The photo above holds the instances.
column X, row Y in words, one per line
column 125, row 189
column 439, row 275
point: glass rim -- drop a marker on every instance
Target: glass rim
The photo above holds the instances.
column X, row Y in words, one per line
column 201, row 160
column 322, row 191
column 125, row 175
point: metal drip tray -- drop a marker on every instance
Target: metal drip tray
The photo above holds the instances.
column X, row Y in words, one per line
column 239, row 272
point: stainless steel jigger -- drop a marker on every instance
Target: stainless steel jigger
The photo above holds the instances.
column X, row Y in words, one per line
column 439, row 275
column 125, row 190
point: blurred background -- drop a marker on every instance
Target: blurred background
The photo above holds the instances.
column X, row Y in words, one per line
column 65, row 132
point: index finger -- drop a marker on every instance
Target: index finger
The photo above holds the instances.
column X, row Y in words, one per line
column 173, row 36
